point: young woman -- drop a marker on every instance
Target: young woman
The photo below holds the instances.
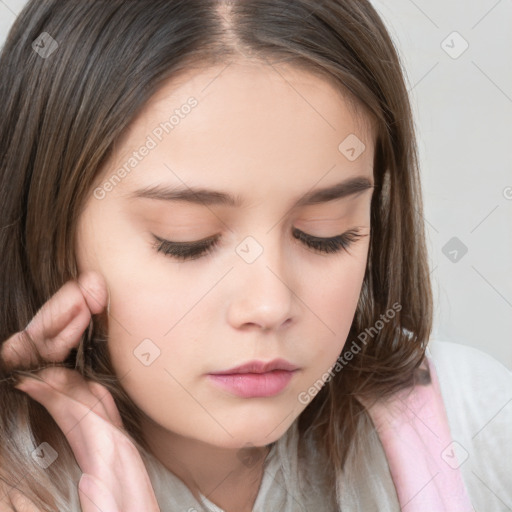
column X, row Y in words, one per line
column 215, row 291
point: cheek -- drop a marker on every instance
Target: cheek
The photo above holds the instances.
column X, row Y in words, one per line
column 332, row 298
column 150, row 312
column 336, row 295
column 156, row 350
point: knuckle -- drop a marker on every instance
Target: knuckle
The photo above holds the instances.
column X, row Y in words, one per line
column 75, row 306
column 72, row 301
column 68, row 298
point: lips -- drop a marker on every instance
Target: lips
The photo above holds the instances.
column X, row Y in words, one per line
column 259, row 367
column 255, row 379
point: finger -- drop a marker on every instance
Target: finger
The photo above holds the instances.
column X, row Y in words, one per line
column 94, row 289
column 78, row 413
column 59, row 324
column 94, row 496
column 103, row 394
column 64, row 313
column 65, row 394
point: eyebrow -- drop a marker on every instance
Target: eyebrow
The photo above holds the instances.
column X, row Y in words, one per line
column 204, row 196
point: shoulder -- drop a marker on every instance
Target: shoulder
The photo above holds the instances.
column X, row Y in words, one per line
column 444, row 351
column 476, row 388
column 477, row 393
column 469, row 377
column 456, row 362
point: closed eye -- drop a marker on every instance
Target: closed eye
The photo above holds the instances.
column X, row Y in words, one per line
column 196, row 249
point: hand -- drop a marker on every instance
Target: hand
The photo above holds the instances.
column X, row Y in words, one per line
column 114, row 476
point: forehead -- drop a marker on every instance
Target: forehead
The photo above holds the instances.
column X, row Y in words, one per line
column 252, row 87
column 249, row 124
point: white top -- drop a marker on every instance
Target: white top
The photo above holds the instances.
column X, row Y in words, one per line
column 477, row 392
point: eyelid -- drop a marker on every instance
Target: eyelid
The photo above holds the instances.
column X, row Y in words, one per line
column 211, row 239
column 317, row 238
column 194, row 243
column 184, row 251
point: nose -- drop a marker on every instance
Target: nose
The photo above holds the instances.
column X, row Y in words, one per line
column 262, row 294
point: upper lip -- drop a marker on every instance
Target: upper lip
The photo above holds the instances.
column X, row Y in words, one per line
column 260, row 367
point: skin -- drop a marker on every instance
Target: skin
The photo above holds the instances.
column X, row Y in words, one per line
column 114, row 476
column 269, row 135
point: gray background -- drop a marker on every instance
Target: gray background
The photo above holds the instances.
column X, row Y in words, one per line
column 462, row 101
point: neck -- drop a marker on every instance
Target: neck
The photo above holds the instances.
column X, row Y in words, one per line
column 228, row 477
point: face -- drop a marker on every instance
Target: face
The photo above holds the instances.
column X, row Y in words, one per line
column 242, row 279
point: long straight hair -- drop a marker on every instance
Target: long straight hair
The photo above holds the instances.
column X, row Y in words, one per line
column 62, row 115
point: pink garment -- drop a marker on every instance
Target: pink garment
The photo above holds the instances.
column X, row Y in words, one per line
column 414, row 432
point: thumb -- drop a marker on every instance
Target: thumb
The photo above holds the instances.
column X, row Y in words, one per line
column 94, row 496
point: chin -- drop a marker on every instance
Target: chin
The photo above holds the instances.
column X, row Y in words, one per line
column 253, row 431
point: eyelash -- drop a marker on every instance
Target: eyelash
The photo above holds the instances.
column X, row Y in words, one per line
column 194, row 250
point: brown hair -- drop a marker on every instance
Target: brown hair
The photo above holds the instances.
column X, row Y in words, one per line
column 62, row 116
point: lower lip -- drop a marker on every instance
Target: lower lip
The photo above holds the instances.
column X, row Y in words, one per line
column 251, row 385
